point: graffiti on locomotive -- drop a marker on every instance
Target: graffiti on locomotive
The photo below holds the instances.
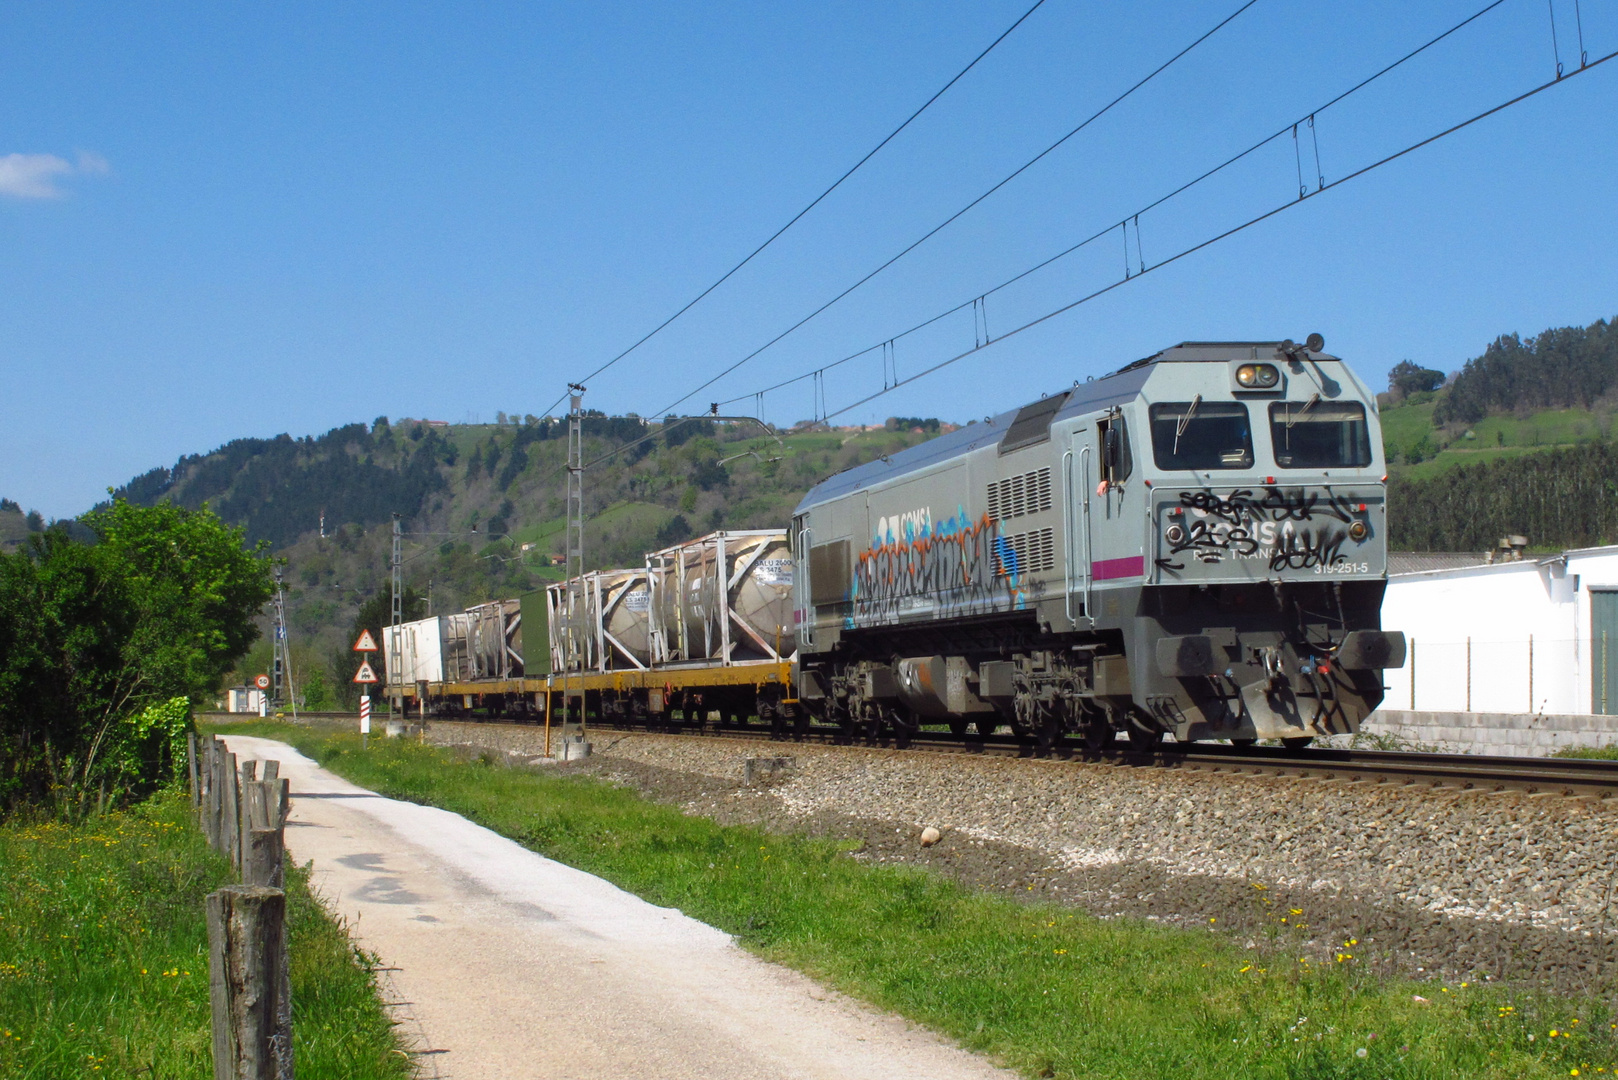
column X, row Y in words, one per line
column 958, row 566
column 1287, row 529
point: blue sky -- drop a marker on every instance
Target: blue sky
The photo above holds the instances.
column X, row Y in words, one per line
column 232, row 220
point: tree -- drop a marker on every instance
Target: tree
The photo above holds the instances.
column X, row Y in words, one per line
column 102, row 644
column 1407, row 377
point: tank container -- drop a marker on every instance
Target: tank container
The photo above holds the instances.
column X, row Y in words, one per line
column 723, row 598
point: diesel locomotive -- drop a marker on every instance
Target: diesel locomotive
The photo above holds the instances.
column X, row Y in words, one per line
column 1193, row 545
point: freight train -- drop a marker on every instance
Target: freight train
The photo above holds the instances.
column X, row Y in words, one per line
column 1194, row 545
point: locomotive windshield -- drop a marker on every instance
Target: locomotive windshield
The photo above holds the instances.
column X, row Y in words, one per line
column 1201, row 435
column 1317, row 434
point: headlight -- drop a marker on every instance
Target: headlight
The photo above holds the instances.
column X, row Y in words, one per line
column 1257, row 376
column 1357, row 530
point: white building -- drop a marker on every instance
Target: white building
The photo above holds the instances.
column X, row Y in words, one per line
column 1537, row 636
column 245, row 699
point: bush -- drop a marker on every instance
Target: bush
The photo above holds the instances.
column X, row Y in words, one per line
column 104, row 645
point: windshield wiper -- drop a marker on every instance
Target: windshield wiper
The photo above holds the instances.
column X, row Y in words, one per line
column 1293, row 418
column 1185, row 422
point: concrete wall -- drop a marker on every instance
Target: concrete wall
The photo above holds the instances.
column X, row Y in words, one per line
column 1512, row 638
column 1531, row 735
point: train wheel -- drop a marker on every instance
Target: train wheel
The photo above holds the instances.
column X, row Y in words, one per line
column 1298, row 742
column 1097, row 736
column 1047, row 732
column 1143, row 736
column 1244, row 743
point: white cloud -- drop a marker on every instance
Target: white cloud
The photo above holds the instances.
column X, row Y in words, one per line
column 34, row 176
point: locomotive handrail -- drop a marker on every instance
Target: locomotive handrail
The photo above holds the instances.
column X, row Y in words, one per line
column 1068, row 528
column 1084, row 504
column 806, row 625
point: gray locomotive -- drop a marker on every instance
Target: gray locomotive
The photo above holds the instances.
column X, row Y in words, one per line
column 1194, row 544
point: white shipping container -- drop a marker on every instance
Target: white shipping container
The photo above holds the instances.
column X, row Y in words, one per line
column 420, row 651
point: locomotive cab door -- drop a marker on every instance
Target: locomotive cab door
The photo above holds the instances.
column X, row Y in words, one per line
column 1078, row 466
column 803, row 612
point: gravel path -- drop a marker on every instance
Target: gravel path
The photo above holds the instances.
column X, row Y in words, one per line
column 1425, row 882
column 514, row 966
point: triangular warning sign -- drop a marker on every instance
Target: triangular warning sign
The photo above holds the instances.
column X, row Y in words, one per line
column 365, row 674
column 366, row 643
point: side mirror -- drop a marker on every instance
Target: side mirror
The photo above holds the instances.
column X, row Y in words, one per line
column 1111, row 447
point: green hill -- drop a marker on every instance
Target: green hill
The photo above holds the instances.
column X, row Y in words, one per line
column 482, row 506
column 1518, row 441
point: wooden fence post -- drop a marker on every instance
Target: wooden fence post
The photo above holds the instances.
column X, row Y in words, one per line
column 247, row 981
column 204, row 775
column 231, row 816
column 262, row 858
column 215, row 805
column 191, row 768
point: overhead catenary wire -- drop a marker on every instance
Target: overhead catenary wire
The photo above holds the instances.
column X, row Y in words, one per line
column 813, row 203
column 1289, row 204
column 947, row 222
column 1107, row 230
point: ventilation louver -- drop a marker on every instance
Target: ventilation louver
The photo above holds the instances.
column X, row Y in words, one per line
column 1033, row 423
column 1029, row 493
column 1032, row 552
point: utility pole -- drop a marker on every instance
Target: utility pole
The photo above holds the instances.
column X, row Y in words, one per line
column 575, row 550
column 395, row 656
column 282, row 689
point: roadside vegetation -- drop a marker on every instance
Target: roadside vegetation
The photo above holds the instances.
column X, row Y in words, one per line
column 104, row 956
column 105, row 644
column 1592, row 753
column 1048, row 990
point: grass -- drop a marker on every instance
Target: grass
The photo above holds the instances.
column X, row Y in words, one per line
column 1046, row 989
column 1594, row 753
column 1491, row 439
column 104, row 957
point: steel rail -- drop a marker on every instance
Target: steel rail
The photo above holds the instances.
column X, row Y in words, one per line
column 1474, row 773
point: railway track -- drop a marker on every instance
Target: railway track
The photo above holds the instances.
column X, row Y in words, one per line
column 1476, row 773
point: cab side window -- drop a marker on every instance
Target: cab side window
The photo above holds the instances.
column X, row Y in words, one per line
column 1117, row 461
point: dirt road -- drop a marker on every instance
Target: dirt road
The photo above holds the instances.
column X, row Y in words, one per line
column 514, row 966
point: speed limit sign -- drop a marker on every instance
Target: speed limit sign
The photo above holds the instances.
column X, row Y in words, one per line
column 262, row 682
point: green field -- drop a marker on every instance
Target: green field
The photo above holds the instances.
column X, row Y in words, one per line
column 1046, row 989
column 104, row 957
column 1411, row 426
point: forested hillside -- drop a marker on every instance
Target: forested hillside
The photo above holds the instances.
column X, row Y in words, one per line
column 1520, row 440
column 481, row 506
column 1562, row 498
column 1568, row 367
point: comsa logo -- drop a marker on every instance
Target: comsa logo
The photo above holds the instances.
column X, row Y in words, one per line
column 905, row 526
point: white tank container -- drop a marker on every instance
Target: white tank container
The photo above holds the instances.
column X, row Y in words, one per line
column 724, row 598
column 609, row 622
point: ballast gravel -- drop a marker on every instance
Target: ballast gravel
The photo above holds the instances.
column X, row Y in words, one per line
column 1424, row 882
